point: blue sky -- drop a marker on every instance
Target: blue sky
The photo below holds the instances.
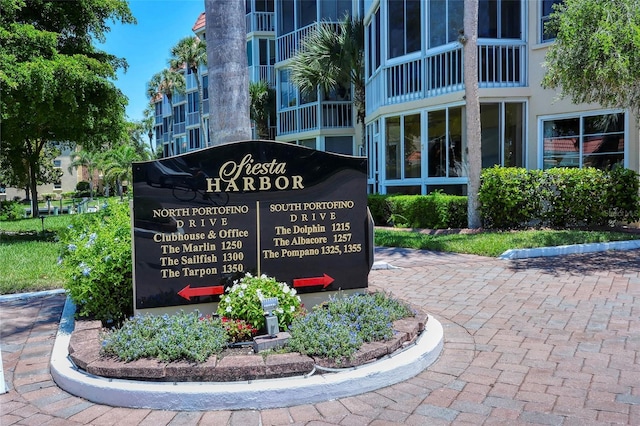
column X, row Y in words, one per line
column 146, row 46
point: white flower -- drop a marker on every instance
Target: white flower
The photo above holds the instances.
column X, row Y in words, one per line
column 279, row 310
column 243, row 286
column 292, row 308
column 285, row 288
column 228, row 309
column 241, row 294
column 293, row 292
column 228, row 299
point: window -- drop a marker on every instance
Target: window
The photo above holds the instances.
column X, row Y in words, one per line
column 373, row 42
column 339, row 144
column 263, row 5
column 205, row 87
column 309, row 143
column 404, row 28
column 334, row 10
column 403, row 147
column 193, row 102
column 286, row 23
column 307, row 13
column 288, row 91
column 547, row 9
column 445, row 21
column 499, row 19
column 249, row 53
column 445, row 143
column 194, row 139
column 584, row 141
column 178, row 114
column 502, row 134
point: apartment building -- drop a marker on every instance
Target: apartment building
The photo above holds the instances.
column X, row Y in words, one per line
column 415, row 106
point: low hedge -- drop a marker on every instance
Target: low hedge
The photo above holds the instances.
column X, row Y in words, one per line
column 512, row 198
column 433, row 211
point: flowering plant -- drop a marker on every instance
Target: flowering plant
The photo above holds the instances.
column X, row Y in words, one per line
column 243, row 301
column 238, row 330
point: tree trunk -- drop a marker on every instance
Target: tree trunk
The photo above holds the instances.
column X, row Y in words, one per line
column 228, row 73
column 33, row 187
column 474, row 156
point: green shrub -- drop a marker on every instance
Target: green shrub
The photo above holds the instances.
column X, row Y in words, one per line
column 183, row 336
column 379, row 208
column 512, row 198
column 338, row 328
column 433, row 211
column 96, row 257
column 243, row 301
column 11, row 210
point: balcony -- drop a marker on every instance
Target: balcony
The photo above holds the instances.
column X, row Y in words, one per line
column 263, row 72
column 316, row 116
column 289, row 43
column 260, row 22
column 500, row 64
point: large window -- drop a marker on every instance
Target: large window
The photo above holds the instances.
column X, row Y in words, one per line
column 502, row 134
column 445, row 143
column 286, row 22
column 499, row 19
column 288, row 92
column 334, row 10
column 403, row 141
column 307, row 13
column 339, row 144
column 547, row 9
column 584, row 141
column 404, row 28
column 445, row 21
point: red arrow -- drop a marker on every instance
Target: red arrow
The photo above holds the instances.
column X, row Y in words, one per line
column 189, row 292
column 324, row 281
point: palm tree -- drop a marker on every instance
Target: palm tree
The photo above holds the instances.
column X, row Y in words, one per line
column 228, row 71
column 88, row 160
column 474, row 157
column 333, row 59
column 191, row 52
column 117, row 164
column 261, row 107
column 166, row 83
column 147, row 124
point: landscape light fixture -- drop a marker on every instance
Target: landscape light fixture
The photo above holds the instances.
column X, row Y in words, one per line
column 269, row 306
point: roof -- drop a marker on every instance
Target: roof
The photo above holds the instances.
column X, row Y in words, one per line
column 200, row 22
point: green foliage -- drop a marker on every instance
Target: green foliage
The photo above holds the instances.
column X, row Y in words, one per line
column 338, row 328
column 433, row 211
column 11, row 210
column 512, row 198
column 243, row 301
column 183, row 336
column 96, row 259
column 238, row 330
column 596, row 53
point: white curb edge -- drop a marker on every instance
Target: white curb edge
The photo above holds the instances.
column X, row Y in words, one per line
column 257, row 394
column 569, row 249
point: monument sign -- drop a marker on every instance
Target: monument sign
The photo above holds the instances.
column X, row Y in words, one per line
column 202, row 220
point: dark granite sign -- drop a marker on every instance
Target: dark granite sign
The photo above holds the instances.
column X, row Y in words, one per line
column 204, row 219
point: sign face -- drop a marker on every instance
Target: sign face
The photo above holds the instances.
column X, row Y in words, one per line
column 202, row 220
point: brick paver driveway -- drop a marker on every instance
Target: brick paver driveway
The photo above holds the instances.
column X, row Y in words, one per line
column 540, row 341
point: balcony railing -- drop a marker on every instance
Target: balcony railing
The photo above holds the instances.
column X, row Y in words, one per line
column 260, row 21
column 263, row 72
column 193, row 118
column 324, row 115
column 500, row 64
column 289, row 43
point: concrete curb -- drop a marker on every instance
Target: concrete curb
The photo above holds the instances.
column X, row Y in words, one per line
column 21, row 296
column 257, row 394
column 570, row 249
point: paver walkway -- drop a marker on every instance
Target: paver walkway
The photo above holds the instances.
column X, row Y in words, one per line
column 538, row 341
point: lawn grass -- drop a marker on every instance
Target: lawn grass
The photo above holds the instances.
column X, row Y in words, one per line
column 29, row 261
column 493, row 244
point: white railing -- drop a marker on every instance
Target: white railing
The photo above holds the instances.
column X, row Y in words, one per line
column 263, row 72
column 260, row 21
column 314, row 116
column 289, row 43
column 501, row 64
column 337, row 114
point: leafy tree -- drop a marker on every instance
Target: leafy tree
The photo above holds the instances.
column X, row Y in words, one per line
column 262, row 106
column 333, row 59
column 55, row 86
column 166, row 83
column 596, row 55
column 228, row 72
column 191, row 52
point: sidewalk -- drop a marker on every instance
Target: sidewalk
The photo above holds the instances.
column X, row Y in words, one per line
column 552, row 340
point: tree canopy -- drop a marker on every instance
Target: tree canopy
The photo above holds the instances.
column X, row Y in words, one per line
column 55, row 85
column 596, row 54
